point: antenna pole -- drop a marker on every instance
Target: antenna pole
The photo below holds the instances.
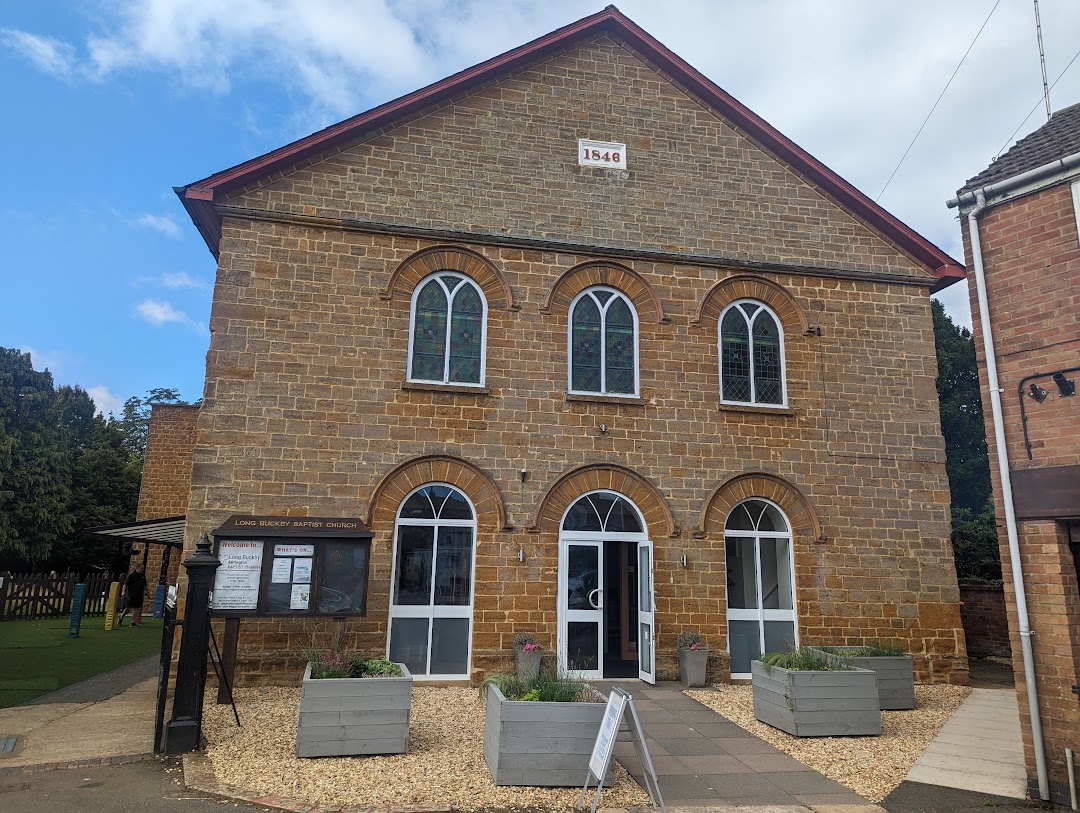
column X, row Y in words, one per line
column 1042, row 60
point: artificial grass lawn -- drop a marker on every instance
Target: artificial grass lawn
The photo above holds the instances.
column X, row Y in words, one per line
column 37, row 657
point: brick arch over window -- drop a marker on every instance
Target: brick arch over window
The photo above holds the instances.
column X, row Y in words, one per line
column 612, row 477
column 804, row 522
column 461, row 474
column 599, row 272
column 472, row 264
column 745, row 286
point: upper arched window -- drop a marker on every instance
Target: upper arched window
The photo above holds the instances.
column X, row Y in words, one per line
column 449, row 327
column 603, row 343
column 751, row 355
column 603, row 511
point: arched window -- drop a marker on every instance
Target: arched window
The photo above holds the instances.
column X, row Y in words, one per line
column 431, row 600
column 751, row 355
column 603, row 343
column 760, row 583
column 449, row 327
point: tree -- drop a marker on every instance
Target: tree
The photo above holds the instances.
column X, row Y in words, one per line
column 34, row 473
column 966, row 460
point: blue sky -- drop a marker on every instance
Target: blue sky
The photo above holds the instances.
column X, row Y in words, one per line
column 109, row 104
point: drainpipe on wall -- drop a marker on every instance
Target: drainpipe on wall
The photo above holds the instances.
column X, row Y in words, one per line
column 1007, row 497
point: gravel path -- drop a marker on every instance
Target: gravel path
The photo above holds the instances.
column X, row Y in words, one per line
column 870, row 766
column 444, row 766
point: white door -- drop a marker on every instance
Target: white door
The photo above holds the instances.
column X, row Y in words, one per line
column 582, row 604
column 646, row 617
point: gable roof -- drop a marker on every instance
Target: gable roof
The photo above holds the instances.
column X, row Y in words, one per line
column 199, row 197
column 1056, row 139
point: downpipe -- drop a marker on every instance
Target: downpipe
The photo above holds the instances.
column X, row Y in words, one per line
column 1007, row 499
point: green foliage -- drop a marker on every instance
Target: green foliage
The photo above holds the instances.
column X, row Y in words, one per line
column 867, row 651
column 966, row 460
column 523, row 639
column 373, row 667
column 801, row 661
column 550, row 685
column 63, row 468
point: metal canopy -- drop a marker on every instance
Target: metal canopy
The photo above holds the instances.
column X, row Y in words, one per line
column 167, row 531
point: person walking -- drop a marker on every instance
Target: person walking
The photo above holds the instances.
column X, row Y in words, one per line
column 134, row 591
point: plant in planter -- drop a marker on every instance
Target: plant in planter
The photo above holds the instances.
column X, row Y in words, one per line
column 527, row 655
column 808, row 695
column 352, row 706
column 540, row 731
column 693, row 658
column 895, row 676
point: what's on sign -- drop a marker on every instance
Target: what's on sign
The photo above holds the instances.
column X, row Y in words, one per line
column 605, row 154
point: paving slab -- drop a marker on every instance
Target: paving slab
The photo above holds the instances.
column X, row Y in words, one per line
column 978, row 749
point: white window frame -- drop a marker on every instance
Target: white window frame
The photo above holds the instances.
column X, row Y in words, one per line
column 759, row 613
column 428, row 610
column 450, row 296
column 753, row 386
column 603, row 343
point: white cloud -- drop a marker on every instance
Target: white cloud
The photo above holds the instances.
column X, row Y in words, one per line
column 48, row 54
column 106, row 402
column 183, row 280
column 164, row 224
column 160, row 313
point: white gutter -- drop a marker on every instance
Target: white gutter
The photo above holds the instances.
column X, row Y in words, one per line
column 1003, row 470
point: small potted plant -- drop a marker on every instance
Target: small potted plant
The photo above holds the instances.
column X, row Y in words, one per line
column 693, row 658
column 527, row 654
column 351, row 706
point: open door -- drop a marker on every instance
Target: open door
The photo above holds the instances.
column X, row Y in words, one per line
column 646, row 613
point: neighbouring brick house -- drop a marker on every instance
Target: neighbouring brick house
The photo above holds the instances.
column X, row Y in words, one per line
column 1026, row 207
column 557, row 379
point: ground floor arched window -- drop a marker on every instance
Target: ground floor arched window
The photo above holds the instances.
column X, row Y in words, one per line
column 432, row 583
column 760, row 583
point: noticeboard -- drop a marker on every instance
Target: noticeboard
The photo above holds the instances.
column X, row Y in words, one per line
column 236, row 582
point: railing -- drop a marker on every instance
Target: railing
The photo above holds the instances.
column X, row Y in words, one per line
column 44, row 595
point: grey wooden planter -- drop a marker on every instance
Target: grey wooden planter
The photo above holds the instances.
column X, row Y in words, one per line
column 816, row 704
column 895, row 678
column 539, row 744
column 354, row 716
column 693, row 665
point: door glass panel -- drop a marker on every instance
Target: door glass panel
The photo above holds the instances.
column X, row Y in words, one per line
column 450, row 646
column 582, row 569
column 453, row 567
column 741, row 584
column 744, row 644
column 582, row 646
column 414, row 565
column 779, row 636
column 775, row 574
column 645, row 642
column 408, row 643
column 643, row 579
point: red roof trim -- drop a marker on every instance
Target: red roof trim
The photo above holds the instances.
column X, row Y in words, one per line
column 198, row 197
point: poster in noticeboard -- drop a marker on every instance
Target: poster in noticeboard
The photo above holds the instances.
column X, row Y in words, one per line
column 236, row 581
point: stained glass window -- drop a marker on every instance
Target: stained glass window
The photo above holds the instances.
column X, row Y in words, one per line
column 751, row 357
column 603, row 344
column 448, row 331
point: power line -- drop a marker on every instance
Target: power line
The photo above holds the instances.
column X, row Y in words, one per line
column 942, row 94
column 1008, row 141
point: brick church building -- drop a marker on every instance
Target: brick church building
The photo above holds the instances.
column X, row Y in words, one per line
column 570, row 343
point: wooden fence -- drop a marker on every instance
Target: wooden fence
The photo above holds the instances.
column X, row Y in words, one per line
column 43, row 595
